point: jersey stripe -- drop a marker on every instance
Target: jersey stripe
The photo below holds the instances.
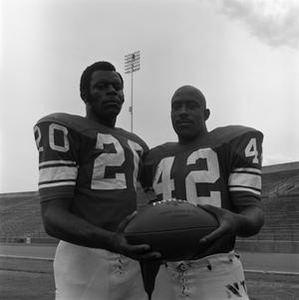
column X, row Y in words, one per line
column 56, row 184
column 245, row 179
column 247, row 170
column 57, row 162
column 249, row 180
column 64, row 175
column 243, row 189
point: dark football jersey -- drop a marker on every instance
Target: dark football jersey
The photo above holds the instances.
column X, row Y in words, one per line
column 222, row 168
column 97, row 166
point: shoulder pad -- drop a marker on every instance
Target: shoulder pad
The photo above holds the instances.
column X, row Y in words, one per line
column 162, row 150
column 75, row 122
column 86, row 126
column 228, row 133
column 62, row 118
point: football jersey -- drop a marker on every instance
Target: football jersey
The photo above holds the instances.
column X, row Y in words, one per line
column 97, row 166
column 222, row 168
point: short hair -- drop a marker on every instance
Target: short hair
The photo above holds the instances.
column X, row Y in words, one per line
column 86, row 75
column 192, row 88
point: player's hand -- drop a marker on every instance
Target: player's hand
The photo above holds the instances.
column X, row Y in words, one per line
column 137, row 252
column 218, row 241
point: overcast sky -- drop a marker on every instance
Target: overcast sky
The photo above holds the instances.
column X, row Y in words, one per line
column 243, row 55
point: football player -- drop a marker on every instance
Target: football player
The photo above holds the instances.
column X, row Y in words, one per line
column 88, row 170
column 220, row 171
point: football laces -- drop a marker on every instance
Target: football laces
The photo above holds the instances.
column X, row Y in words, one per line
column 170, row 201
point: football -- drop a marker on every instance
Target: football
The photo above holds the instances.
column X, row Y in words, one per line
column 171, row 227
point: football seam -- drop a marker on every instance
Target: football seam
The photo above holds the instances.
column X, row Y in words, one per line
column 168, row 230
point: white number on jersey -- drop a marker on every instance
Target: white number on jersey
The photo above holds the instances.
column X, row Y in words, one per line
column 54, row 128
column 38, row 136
column 104, row 160
column 251, row 150
column 99, row 182
column 164, row 185
column 115, row 159
column 211, row 175
column 136, row 148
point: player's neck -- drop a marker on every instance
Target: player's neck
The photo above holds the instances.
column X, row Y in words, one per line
column 106, row 122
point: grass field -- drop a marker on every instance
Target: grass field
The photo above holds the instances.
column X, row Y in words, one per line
column 23, row 279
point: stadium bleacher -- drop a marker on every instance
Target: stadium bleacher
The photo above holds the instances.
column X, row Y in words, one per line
column 280, row 202
column 20, row 217
column 20, row 213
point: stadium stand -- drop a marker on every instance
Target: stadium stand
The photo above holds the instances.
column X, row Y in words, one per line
column 20, row 214
column 20, row 217
column 280, row 201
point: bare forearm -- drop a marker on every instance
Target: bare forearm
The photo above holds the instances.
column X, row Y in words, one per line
column 66, row 226
column 249, row 221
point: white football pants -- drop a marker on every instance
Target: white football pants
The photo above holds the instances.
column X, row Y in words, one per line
column 216, row 277
column 83, row 273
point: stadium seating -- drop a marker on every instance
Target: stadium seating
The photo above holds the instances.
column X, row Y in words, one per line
column 281, row 219
column 280, row 202
column 20, row 216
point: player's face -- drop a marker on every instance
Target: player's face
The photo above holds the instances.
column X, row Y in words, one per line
column 105, row 94
column 188, row 114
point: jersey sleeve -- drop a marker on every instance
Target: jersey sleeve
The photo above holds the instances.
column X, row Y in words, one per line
column 245, row 174
column 58, row 147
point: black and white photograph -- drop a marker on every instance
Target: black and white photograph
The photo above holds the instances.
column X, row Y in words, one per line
column 149, row 149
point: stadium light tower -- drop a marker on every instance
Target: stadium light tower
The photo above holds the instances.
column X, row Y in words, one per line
column 132, row 64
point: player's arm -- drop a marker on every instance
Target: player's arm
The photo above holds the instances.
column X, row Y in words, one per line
column 58, row 168
column 247, row 222
column 246, row 217
column 62, row 224
column 245, row 184
column 58, row 148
